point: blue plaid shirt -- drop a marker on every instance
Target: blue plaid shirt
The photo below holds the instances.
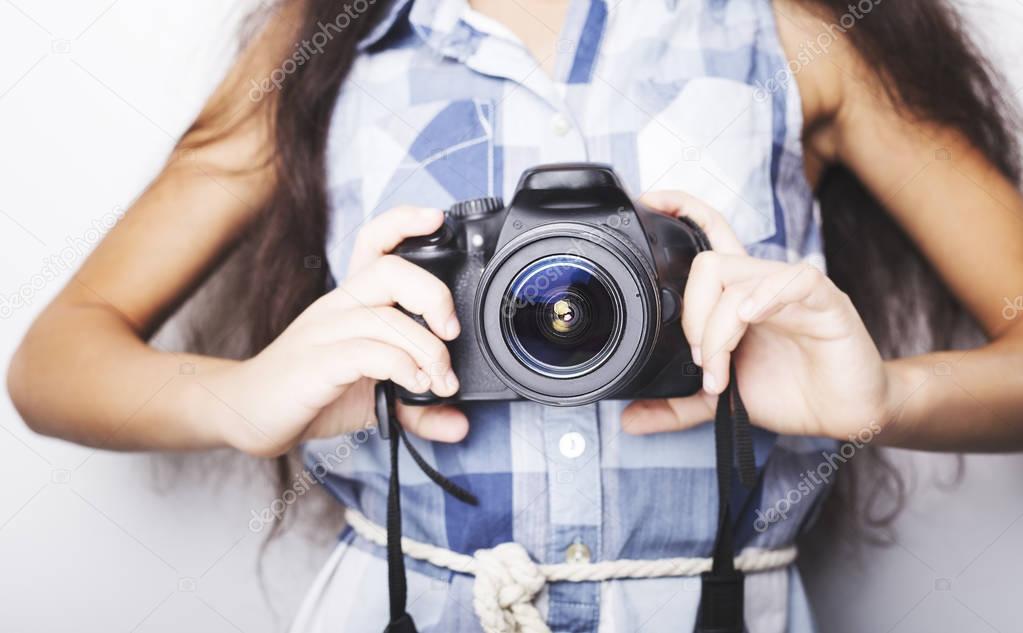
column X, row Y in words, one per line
column 444, row 104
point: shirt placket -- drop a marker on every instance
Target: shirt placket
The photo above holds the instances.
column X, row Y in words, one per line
column 571, row 436
column 562, row 138
column 572, row 446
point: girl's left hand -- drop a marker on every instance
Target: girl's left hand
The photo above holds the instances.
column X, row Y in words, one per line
column 804, row 360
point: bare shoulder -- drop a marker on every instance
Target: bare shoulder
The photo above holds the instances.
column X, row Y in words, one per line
column 825, row 67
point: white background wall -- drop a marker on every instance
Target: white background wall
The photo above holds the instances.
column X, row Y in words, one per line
column 92, row 95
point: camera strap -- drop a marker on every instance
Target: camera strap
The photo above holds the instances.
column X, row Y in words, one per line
column 397, row 586
column 722, row 596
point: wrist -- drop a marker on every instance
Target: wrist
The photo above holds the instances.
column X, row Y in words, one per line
column 226, row 405
column 902, row 378
column 203, row 401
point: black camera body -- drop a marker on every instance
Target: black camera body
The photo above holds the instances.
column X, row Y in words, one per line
column 569, row 295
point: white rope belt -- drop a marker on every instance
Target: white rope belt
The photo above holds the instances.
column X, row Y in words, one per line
column 507, row 580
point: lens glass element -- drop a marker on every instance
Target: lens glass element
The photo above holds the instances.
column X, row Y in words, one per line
column 562, row 315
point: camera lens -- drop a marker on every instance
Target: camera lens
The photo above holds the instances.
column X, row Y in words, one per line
column 566, row 314
column 562, row 316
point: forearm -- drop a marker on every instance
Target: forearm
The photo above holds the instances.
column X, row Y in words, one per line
column 964, row 401
column 97, row 383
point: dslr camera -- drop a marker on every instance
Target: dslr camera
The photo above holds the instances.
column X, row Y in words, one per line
column 569, row 295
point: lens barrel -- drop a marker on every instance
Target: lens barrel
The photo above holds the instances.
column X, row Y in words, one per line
column 567, row 313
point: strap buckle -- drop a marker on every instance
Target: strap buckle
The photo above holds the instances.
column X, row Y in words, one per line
column 721, row 603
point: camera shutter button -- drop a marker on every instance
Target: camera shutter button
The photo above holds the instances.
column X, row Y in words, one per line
column 671, row 305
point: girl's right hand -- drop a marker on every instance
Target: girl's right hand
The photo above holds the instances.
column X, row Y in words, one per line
column 316, row 379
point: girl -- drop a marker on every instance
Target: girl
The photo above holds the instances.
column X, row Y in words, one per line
column 343, row 129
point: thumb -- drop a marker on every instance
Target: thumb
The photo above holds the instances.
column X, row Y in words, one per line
column 438, row 423
column 644, row 417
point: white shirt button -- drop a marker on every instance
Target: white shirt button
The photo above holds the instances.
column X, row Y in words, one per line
column 577, row 553
column 572, row 444
column 560, row 124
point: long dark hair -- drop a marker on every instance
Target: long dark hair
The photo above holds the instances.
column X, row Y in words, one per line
column 918, row 48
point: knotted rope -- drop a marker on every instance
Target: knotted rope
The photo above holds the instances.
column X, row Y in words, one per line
column 507, row 580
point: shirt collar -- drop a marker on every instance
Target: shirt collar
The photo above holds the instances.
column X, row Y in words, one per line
column 448, row 26
column 396, row 12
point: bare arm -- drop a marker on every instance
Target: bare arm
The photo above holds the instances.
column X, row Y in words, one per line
column 765, row 315
column 965, row 217
column 84, row 371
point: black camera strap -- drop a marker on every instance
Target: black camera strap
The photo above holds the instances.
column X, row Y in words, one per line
column 722, row 596
column 391, row 429
column 721, row 589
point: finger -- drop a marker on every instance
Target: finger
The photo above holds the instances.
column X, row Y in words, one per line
column 383, row 233
column 347, row 361
column 722, row 238
column 644, row 417
column 391, row 280
column 721, row 336
column 802, row 283
column 390, row 325
column 439, row 423
column 709, row 275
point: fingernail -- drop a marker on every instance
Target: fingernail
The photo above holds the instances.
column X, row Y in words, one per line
column 746, row 310
column 710, row 384
column 697, row 356
column 431, row 213
column 452, row 328
column 452, row 381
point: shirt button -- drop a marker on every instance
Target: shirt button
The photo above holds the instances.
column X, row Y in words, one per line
column 577, row 553
column 572, row 444
column 560, row 124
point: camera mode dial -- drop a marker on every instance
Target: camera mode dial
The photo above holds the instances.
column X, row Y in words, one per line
column 475, row 208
